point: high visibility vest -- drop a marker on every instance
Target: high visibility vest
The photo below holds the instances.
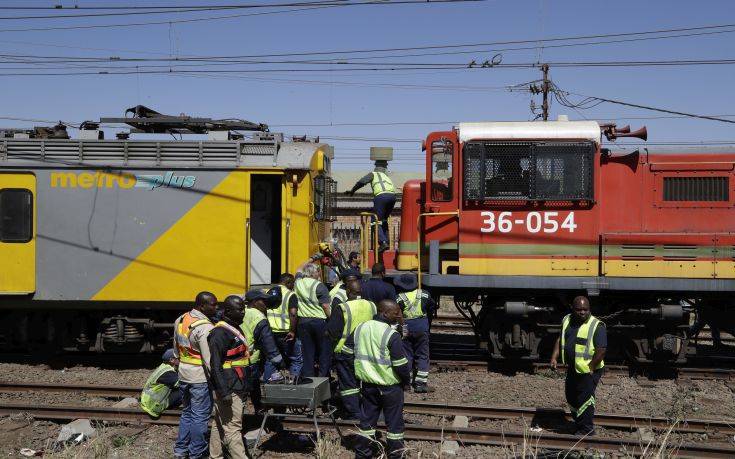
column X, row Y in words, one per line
column 251, row 320
column 372, row 355
column 154, row 398
column 381, row 183
column 236, row 356
column 278, row 318
column 584, row 346
column 308, row 301
column 187, row 353
column 338, row 292
column 411, row 304
column 355, row 312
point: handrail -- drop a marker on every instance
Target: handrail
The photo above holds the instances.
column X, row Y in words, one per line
column 247, row 254
column 364, row 242
column 419, row 247
column 288, row 240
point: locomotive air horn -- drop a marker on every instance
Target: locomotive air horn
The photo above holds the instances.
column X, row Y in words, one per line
column 641, row 133
column 623, row 130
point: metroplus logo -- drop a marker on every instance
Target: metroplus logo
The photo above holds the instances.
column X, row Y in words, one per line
column 122, row 180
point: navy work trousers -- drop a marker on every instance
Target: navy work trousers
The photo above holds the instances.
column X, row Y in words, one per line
column 383, row 205
column 348, row 388
column 389, row 400
column 579, row 389
column 316, row 346
column 416, row 347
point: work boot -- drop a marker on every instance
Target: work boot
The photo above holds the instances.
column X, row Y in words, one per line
column 422, row 388
column 383, row 246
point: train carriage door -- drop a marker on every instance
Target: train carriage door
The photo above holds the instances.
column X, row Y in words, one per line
column 17, row 234
column 442, row 202
column 265, row 228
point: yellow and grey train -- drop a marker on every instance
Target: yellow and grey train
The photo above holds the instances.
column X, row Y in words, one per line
column 103, row 242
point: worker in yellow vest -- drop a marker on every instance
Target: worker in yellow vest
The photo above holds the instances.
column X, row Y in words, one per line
column 346, row 317
column 382, row 367
column 161, row 389
column 283, row 320
column 582, row 344
column 384, row 198
column 313, row 312
column 260, row 341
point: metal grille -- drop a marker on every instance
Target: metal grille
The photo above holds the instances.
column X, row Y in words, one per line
column 696, row 189
column 528, row 171
column 325, row 198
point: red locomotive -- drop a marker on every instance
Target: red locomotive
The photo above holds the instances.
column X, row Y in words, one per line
column 519, row 217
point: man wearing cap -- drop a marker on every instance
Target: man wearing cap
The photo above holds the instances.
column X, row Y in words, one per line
column 283, row 320
column 338, row 294
column 313, row 311
column 418, row 307
column 161, row 390
column 384, row 198
column 260, row 340
column 191, row 348
column 346, row 317
column 229, row 360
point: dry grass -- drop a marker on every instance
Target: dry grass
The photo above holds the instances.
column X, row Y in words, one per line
column 112, row 442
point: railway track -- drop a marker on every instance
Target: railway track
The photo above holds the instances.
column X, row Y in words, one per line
column 467, row 436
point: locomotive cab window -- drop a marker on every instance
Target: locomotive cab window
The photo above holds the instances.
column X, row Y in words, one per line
column 442, row 152
column 16, row 215
column 524, row 171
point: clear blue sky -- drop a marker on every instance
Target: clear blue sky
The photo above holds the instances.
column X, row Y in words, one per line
column 360, row 97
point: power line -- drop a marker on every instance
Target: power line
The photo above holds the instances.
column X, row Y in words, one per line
column 153, row 10
column 234, row 16
column 593, row 101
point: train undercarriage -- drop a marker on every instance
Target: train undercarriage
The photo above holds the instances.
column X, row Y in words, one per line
column 516, row 326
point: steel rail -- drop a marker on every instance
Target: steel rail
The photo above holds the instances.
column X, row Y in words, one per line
column 602, row 419
column 439, row 409
column 543, row 440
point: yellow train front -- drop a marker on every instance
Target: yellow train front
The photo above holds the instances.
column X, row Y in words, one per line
column 104, row 242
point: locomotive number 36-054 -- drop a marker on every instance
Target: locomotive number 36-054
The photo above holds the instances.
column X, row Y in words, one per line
column 534, row 222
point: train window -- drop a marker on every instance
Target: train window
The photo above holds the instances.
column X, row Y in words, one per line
column 325, row 198
column 528, row 171
column 441, row 170
column 16, row 215
column 696, row 189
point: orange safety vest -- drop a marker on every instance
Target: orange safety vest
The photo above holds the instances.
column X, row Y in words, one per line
column 187, row 354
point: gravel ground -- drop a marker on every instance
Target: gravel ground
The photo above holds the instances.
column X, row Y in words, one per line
column 671, row 399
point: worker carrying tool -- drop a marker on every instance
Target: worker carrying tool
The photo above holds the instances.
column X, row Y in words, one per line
column 229, row 358
column 381, row 365
column 346, row 317
column 161, row 390
column 582, row 344
column 418, row 307
column 384, row 198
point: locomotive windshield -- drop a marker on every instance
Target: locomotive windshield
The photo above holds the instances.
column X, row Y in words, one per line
column 558, row 171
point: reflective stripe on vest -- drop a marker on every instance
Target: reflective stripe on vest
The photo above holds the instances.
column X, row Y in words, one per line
column 381, row 184
column 187, row 353
column 278, row 318
column 355, row 312
column 338, row 292
column 372, row 356
column 251, row 320
column 582, row 352
column 411, row 304
column 308, row 301
column 237, row 356
column 154, row 398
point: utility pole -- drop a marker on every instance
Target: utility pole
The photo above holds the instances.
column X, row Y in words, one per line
column 545, row 90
